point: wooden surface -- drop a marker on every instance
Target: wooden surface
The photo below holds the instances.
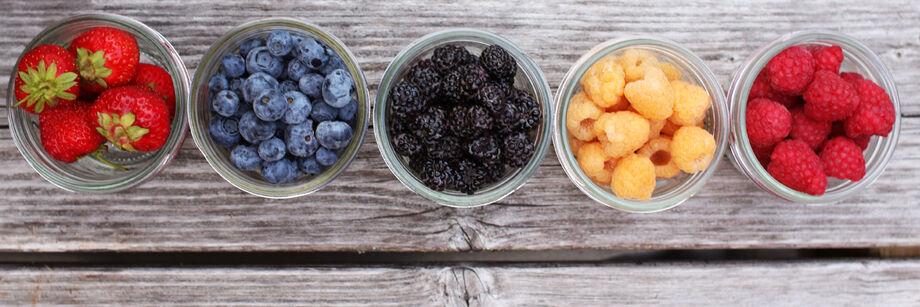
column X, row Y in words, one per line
column 189, row 208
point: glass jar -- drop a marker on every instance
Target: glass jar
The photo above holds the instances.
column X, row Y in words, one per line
column 529, row 78
column 857, row 58
column 668, row 192
column 88, row 174
column 219, row 157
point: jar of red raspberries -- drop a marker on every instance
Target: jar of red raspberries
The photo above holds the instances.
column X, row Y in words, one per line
column 816, row 117
column 462, row 117
column 97, row 103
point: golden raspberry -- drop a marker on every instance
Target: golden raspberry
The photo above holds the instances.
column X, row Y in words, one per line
column 690, row 103
column 659, row 151
column 692, row 148
column 591, row 159
column 670, row 71
column 580, row 117
column 652, row 96
column 621, row 132
column 669, row 128
column 604, row 82
column 655, row 126
column 635, row 62
column 634, row 178
column 575, row 144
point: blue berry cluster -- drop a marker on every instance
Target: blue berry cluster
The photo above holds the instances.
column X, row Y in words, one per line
column 283, row 105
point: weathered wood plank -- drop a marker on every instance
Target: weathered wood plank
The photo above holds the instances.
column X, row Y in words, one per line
column 834, row 283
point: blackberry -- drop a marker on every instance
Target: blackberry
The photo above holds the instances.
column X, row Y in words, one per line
column 479, row 118
column 407, row 99
column 492, row 97
column 507, row 119
column 498, row 63
column 486, row 149
column 516, row 149
column 429, row 126
column 406, row 144
column 459, row 122
column 469, row 176
column 451, row 87
column 399, row 124
column 448, row 57
column 473, row 77
column 528, row 109
column 447, row 148
column 436, row 174
column 425, row 77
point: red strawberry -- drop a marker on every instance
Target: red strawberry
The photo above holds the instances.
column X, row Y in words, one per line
column 45, row 77
column 159, row 80
column 66, row 134
column 133, row 118
column 106, row 58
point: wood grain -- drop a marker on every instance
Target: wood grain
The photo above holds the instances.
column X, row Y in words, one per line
column 189, row 208
column 834, row 283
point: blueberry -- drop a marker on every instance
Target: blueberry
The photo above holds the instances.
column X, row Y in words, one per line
column 269, row 105
column 323, row 112
column 311, row 53
column 272, row 149
column 347, row 113
column 300, row 139
column 299, row 107
column 279, row 171
column 279, row 42
column 295, row 69
column 257, row 83
column 233, row 65
column 312, row 85
column 287, row 86
column 326, row 157
column 245, row 157
column 333, row 62
column 236, row 85
column 309, row 165
column 224, row 131
column 260, row 60
column 255, row 130
column 225, row 103
column 243, row 108
column 337, row 88
column 249, row 44
column 218, row 83
column 295, row 41
column 334, row 134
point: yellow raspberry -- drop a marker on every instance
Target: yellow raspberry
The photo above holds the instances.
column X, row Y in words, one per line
column 604, row 82
column 575, row 144
column 692, row 148
column 690, row 103
column 634, row 178
column 635, row 62
column 670, row 71
column 621, row 132
column 592, row 159
column 580, row 117
column 655, row 126
column 669, row 128
column 659, row 151
column 652, row 96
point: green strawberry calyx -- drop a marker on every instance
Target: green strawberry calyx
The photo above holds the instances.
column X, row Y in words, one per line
column 120, row 130
column 44, row 86
column 91, row 66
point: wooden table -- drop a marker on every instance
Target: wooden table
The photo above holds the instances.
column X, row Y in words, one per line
column 189, row 208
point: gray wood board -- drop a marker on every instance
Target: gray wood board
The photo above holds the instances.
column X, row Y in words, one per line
column 832, row 283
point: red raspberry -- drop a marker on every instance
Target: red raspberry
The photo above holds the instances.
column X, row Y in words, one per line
column 829, row 97
column 796, row 166
column 763, row 154
column 851, row 77
column 791, row 70
column 875, row 113
column 827, row 57
column 843, row 159
column 861, row 140
column 807, row 130
column 761, row 89
column 768, row 122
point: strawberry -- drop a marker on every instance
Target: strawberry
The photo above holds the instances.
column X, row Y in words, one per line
column 66, row 134
column 106, row 58
column 159, row 80
column 133, row 118
column 46, row 76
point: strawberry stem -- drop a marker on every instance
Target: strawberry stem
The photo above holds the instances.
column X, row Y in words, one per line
column 98, row 155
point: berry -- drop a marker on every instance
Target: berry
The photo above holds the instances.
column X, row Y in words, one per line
column 157, row 79
column 218, row 83
column 333, row 63
column 406, row 99
column 768, row 122
column 655, row 127
column 692, row 148
column 255, row 130
column 326, row 157
column 337, row 88
column 257, row 83
column 492, row 97
column 46, row 76
column 452, row 86
column 459, row 122
column 498, row 63
column 580, row 117
column 425, row 77
column 635, row 62
column 480, row 119
column 270, row 105
column 448, row 57
column 807, row 130
column 279, row 171
column 225, row 103
column 763, row 154
column 312, row 85
column 224, row 131
column 843, row 159
column 517, row 149
column 66, row 134
column 311, row 53
column 791, row 70
column 261, row 60
column 436, row 174
column 690, row 103
column 670, row 71
column 603, row 83
column 530, row 112
column 851, row 77
column 309, row 165
column 133, row 118
column 827, row 57
column 347, row 113
column 296, row 70
column 796, row 166
column 298, row 109
column 634, row 178
column 447, row 148
column 406, row 144
column 233, row 65
column 279, row 43
column 875, row 113
column 507, row 120
column 658, row 150
column 829, row 97
column 485, row 148
column 323, row 112
column 593, row 160
column 300, row 139
column 622, row 132
column 762, row 89
column 430, row 126
column 106, row 58
column 288, row 86
column 250, row 44
column 246, row 157
column 272, row 149
column 334, row 134
column 469, row 176
column 652, row 96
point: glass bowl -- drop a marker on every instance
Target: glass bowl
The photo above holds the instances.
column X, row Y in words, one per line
column 529, row 78
column 88, row 174
column 857, row 58
column 219, row 158
column 668, row 192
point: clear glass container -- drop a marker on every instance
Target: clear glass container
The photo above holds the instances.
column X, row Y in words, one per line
column 529, row 78
column 219, row 157
column 668, row 192
column 857, row 58
column 88, row 174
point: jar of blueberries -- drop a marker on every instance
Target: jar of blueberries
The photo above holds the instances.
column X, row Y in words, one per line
column 279, row 107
